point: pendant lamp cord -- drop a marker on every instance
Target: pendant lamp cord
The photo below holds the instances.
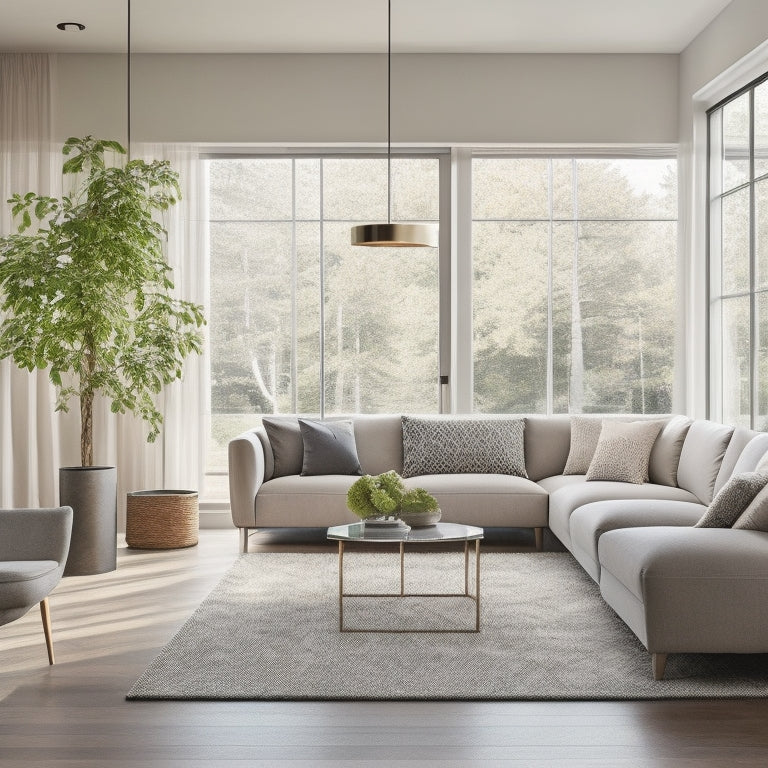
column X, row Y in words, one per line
column 389, row 111
column 128, row 84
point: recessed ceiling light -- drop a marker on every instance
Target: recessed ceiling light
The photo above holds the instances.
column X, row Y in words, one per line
column 66, row 25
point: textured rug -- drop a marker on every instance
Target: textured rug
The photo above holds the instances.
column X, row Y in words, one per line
column 269, row 630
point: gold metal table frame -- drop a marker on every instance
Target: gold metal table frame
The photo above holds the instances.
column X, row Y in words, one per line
column 402, row 593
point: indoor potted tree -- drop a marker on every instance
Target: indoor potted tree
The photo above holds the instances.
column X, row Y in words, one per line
column 87, row 294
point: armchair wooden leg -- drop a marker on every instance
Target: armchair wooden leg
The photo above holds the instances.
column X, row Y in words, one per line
column 45, row 612
column 659, row 663
column 539, row 534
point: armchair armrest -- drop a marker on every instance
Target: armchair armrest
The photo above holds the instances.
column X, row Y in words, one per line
column 246, row 474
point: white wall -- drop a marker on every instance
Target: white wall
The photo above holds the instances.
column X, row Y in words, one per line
column 728, row 54
column 322, row 99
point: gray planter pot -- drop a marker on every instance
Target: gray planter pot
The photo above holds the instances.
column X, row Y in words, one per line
column 92, row 494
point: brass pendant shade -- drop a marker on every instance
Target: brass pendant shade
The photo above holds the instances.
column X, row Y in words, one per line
column 395, row 235
column 392, row 235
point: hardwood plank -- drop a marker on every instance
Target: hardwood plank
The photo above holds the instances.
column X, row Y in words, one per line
column 109, row 627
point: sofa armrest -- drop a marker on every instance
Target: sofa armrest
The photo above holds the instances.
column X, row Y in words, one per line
column 246, row 475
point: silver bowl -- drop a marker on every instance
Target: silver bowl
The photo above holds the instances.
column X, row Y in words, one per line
column 421, row 519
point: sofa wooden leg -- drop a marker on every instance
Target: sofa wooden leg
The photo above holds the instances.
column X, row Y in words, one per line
column 539, row 534
column 659, row 663
column 45, row 612
column 244, row 539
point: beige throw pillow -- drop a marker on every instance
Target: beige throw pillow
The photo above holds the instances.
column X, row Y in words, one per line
column 623, row 451
column 585, row 432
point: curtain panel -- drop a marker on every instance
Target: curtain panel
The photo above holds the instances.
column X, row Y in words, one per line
column 34, row 440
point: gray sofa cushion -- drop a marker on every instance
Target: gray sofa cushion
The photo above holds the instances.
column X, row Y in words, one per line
column 568, row 497
column 329, row 448
column 591, row 521
column 733, row 499
column 739, row 442
column 490, row 500
column 447, row 446
column 701, row 457
column 547, row 442
column 665, row 456
column 691, row 590
column 623, row 451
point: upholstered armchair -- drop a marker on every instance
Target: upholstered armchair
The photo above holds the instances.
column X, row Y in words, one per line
column 34, row 544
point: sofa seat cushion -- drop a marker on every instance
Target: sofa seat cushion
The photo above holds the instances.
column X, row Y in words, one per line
column 565, row 498
column 312, row 501
column 490, row 500
column 590, row 521
column 695, row 590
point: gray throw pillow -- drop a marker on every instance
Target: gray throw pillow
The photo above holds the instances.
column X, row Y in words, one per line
column 733, row 499
column 287, row 446
column 329, row 448
column 755, row 516
column 585, row 432
column 435, row 446
column 623, row 451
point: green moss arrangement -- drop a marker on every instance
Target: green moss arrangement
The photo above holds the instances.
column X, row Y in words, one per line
column 385, row 495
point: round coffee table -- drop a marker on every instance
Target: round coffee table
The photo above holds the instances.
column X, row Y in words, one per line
column 433, row 534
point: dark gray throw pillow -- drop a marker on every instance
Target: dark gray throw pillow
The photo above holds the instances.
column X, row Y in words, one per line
column 287, row 446
column 329, row 448
column 732, row 499
column 435, row 446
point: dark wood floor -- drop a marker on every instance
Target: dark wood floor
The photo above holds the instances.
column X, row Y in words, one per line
column 108, row 628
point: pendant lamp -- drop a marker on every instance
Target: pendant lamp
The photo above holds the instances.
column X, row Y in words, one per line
column 391, row 235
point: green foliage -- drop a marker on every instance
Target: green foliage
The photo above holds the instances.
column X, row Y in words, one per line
column 385, row 495
column 418, row 500
column 87, row 292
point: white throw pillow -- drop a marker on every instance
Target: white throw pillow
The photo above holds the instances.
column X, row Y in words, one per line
column 585, row 432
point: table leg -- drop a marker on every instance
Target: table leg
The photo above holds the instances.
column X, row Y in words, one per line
column 341, row 586
column 466, row 567
column 402, row 568
column 477, row 585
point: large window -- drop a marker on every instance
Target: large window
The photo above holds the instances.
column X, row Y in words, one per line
column 738, row 258
column 572, row 264
column 301, row 321
column 574, row 284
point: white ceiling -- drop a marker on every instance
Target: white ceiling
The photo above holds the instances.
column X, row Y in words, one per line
column 336, row 26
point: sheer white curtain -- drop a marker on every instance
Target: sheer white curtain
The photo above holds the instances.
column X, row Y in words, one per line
column 177, row 459
column 34, row 440
column 29, row 433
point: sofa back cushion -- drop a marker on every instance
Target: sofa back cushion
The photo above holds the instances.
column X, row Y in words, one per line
column 379, row 440
column 665, row 455
column 738, row 455
column 547, row 442
column 701, row 458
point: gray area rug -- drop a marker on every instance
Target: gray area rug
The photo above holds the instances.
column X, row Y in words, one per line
column 269, row 630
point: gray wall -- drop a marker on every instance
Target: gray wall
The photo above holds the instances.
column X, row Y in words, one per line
column 322, row 99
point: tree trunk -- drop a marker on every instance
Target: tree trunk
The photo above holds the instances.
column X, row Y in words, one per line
column 86, row 429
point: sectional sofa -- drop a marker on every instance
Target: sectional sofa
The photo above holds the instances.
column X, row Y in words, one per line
column 680, row 588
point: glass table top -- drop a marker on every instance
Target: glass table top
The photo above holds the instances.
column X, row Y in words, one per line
column 439, row 532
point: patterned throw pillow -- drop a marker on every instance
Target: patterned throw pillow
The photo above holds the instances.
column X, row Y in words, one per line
column 733, row 499
column 585, row 432
column 755, row 516
column 623, row 451
column 434, row 446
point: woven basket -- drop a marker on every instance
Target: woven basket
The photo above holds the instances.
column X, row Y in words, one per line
column 162, row 519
